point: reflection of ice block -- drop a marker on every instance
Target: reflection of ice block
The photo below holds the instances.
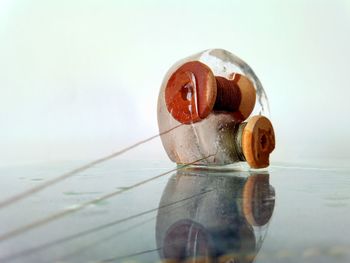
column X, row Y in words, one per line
column 208, row 216
column 212, row 124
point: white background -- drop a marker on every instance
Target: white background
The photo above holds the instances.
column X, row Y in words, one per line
column 80, row 79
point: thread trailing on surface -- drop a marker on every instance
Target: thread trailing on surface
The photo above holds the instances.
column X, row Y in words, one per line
column 82, row 206
column 16, row 198
column 96, row 229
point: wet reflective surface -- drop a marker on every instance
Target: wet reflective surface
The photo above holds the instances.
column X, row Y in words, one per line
column 285, row 214
column 221, row 218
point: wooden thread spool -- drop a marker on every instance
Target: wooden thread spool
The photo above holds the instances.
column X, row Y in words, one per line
column 193, row 91
column 255, row 140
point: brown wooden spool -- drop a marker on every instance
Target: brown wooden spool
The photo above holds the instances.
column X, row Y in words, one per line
column 192, row 92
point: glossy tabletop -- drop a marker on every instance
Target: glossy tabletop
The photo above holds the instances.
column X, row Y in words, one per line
column 138, row 211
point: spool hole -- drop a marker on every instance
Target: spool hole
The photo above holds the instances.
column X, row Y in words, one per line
column 263, row 142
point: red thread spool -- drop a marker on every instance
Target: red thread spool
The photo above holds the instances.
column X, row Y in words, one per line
column 193, row 91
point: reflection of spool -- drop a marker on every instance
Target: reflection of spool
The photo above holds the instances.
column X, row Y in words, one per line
column 187, row 240
column 215, row 216
column 258, row 200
